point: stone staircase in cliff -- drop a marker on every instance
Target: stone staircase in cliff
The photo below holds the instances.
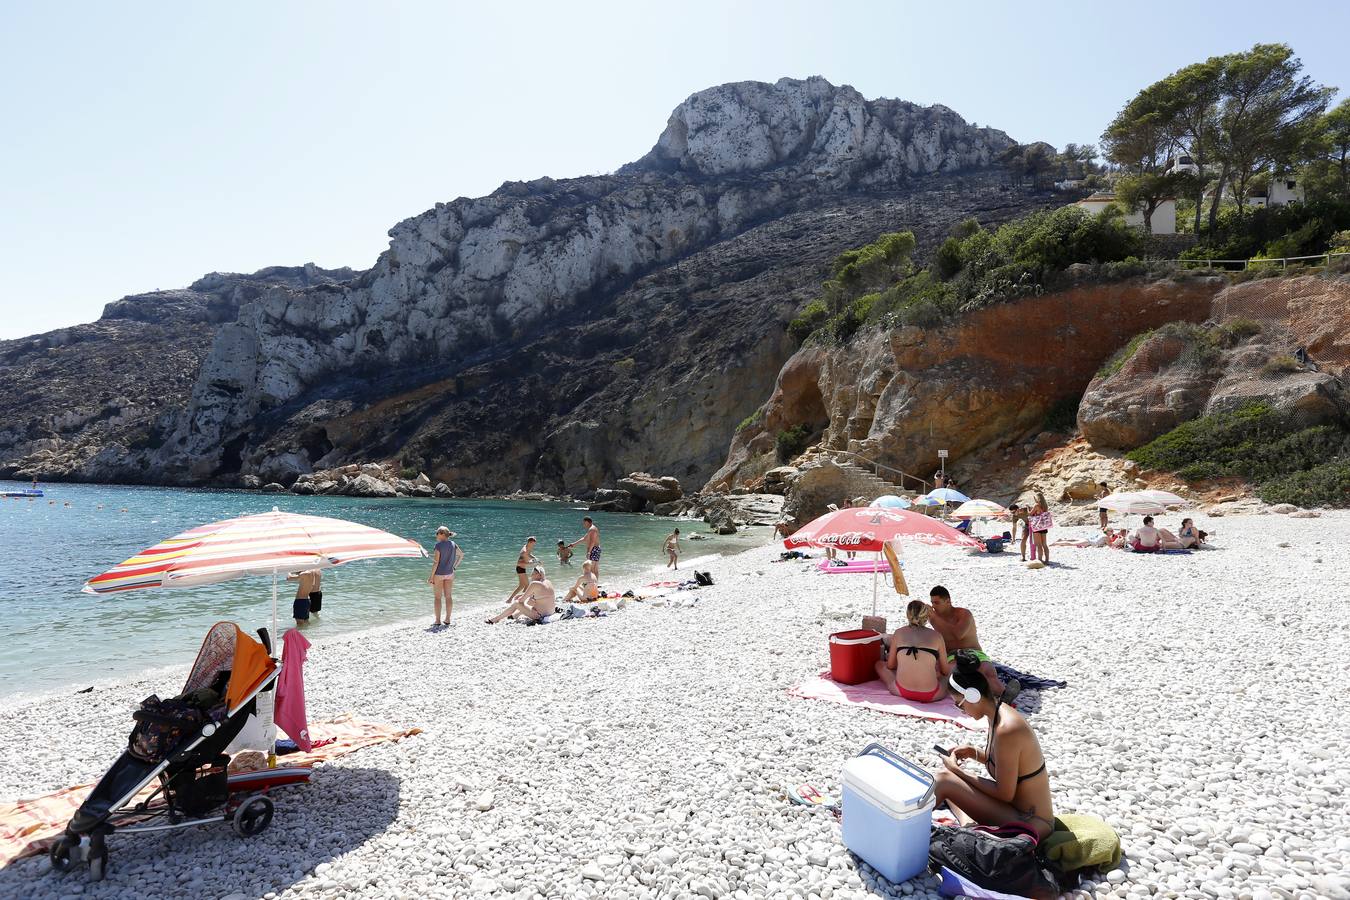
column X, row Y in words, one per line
column 862, row 483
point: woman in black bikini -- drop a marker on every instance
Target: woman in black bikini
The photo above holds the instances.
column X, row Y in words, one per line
column 906, row 671
column 523, row 561
column 1018, row 789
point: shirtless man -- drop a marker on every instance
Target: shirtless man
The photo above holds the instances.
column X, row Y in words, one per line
column 587, row 587
column 957, row 627
column 307, row 594
column 592, row 541
column 539, row 600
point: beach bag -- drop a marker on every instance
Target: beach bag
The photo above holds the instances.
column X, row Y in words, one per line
column 704, row 579
column 161, row 725
column 1001, row 859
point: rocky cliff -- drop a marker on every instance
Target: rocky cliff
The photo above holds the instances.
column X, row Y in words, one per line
column 1247, row 353
column 88, row 402
column 989, row 378
column 556, row 334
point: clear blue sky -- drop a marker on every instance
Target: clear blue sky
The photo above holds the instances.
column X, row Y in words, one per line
column 144, row 144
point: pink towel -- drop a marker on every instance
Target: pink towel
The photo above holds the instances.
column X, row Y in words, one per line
column 873, row 695
column 290, row 709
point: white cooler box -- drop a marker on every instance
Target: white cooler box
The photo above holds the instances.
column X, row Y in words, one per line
column 888, row 812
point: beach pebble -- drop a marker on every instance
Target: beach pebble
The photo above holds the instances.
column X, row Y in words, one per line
column 647, row 754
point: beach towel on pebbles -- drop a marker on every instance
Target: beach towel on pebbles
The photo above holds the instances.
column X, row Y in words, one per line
column 28, row 827
column 873, row 695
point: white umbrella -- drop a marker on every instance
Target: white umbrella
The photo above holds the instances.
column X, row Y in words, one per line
column 1132, row 504
column 1167, row 498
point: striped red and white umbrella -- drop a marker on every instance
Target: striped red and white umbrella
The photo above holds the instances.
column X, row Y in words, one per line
column 262, row 544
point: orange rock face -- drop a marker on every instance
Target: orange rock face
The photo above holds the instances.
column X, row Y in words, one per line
column 988, row 378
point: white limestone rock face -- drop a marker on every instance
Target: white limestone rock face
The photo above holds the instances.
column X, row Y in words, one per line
column 812, row 126
column 481, row 273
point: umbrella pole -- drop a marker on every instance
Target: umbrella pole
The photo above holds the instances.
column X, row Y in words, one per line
column 274, row 610
column 876, row 562
column 270, row 726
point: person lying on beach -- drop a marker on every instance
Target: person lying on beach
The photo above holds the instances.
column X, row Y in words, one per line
column 957, row 627
column 539, row 600
column 1018, row 787
column 1150, row 540
column 564, row 554
column 907, row 670
column 587, row 586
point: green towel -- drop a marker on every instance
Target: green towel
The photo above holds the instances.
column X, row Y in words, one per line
column 1080, row 842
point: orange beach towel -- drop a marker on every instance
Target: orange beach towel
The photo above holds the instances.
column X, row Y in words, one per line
column 28, row 827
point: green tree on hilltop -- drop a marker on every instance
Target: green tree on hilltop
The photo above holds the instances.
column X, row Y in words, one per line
column 1270, row 110
column 1140, row 139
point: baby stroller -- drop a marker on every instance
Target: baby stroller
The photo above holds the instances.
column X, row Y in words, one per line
column 181, row 743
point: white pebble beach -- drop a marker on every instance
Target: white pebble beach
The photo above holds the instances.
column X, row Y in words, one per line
column 648, row 753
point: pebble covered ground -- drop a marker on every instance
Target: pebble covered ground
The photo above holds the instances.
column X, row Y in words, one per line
column 647, row 754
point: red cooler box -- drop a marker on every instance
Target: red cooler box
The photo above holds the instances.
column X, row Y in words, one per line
column 854, row 655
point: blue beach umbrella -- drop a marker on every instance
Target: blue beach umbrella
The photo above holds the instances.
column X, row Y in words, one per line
column 947, row 495
column 926, row 500
column 891, row 501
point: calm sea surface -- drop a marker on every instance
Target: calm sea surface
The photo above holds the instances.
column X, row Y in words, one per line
column 55, row 636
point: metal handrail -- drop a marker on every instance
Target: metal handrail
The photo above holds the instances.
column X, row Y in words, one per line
column 877, row 467
column 1246, row 264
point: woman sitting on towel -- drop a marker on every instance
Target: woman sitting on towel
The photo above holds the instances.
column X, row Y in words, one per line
column 1018, row 787
column 907, row 670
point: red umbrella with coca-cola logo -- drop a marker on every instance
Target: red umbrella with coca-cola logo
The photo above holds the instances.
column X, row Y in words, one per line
column 871, row 528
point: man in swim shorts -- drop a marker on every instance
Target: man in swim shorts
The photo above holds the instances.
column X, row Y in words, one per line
column 592, row 540
column 957, row 627
column 306, row 590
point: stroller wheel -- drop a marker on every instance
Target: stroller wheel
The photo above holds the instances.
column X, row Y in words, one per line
column 98, row 866
column 60, row 854
column 253, row 816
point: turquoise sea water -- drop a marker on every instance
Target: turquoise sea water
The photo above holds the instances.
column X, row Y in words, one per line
column 57, row 636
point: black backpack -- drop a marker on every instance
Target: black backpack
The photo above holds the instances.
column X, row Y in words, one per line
column 704, row 579
column 1001, row 859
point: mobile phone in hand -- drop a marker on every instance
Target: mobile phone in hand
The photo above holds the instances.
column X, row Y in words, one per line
column 942, row 751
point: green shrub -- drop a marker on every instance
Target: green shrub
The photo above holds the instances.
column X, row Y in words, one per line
column 408, row 473
column 1305, row 466
column 1282, row 364
column 1122, row 356
column 808, row 320
column 1201, row 351
column 750, row 420
column 1324, row 485
column 1213, row 442
column 1129, row 267
column 973, row 268
column 949, row 259
column 1302, row 229
column 1237, row 331
column 791, row 442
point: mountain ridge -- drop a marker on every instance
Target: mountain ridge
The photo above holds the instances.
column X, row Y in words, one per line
column 480, row 289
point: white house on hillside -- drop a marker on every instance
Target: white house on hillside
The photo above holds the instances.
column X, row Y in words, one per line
column 1164, row 217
